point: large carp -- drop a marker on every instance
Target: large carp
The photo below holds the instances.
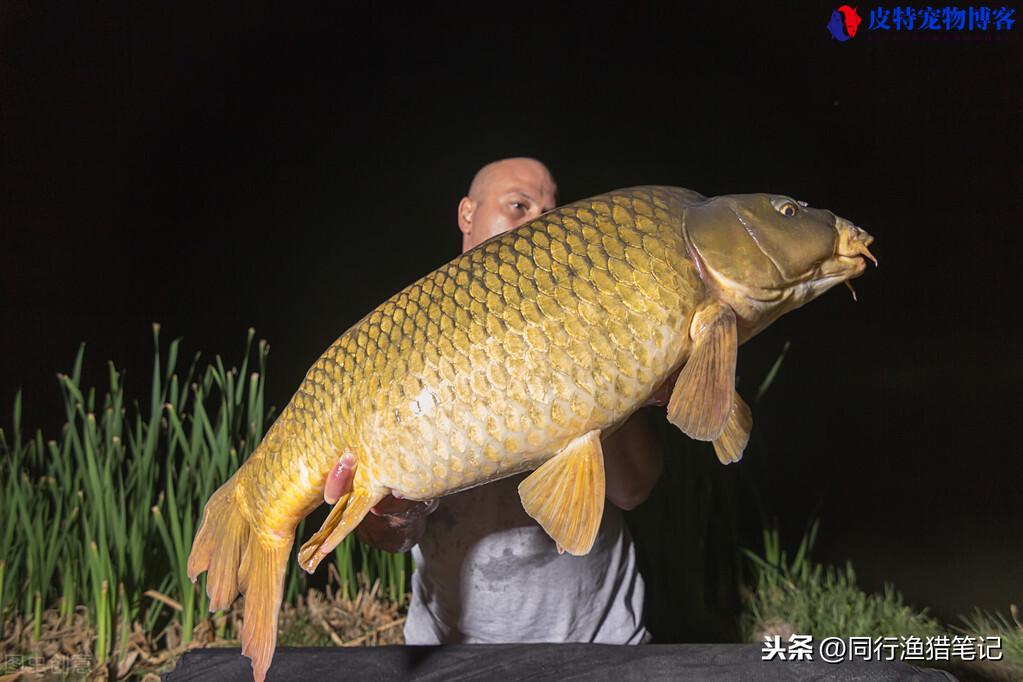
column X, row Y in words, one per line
column 521, row 354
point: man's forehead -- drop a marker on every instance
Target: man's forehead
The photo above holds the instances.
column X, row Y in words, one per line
column 531, row 180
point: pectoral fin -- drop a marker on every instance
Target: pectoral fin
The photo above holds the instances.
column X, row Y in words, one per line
column 566, row 494
column 732, row 441
column 342, row 520
column 702, row 399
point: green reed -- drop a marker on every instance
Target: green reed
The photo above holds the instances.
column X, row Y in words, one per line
column 106, row 512
column 823, row 601
column 982, row 624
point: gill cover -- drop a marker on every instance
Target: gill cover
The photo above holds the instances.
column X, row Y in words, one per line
column 761, row 242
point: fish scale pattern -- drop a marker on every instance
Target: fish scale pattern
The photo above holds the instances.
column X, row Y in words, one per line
column 494, row 362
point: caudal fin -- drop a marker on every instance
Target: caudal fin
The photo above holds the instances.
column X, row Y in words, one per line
column 238, row 559
column 218, row 545
column 261, row 578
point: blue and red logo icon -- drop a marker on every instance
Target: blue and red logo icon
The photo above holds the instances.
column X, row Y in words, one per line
column 844, row 22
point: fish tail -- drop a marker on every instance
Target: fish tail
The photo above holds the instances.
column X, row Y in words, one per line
column 262, row 580
column 240, row 560
column 217, row 548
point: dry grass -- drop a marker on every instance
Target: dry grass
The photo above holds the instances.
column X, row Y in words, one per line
column 368, row 619
column 65, row 646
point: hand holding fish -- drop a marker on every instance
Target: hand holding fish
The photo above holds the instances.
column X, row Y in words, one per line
column 339, row 482
column 393, row 525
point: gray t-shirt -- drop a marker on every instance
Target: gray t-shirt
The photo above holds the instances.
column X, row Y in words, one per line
column 488, row 573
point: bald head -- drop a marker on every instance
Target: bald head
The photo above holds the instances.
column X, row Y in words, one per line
column 503, row 195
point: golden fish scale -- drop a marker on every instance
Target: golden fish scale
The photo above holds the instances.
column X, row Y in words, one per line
column 492, row 363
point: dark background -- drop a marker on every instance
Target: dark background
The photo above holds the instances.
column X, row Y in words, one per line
column 223, row 168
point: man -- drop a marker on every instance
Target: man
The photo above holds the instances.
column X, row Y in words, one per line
column 485, row 571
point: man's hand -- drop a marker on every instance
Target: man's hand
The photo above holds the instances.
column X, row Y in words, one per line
column 393, row 525
column 339, row 482
column 633, row 459
column 396, row 524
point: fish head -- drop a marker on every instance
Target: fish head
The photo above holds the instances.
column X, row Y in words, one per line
column 767, row 254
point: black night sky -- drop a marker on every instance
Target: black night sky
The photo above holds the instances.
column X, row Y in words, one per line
column 229, row 167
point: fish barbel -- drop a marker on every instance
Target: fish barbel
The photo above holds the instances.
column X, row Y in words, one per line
column 520, row 354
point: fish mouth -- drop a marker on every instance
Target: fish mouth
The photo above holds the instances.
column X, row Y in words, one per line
column 853, row 242
column 851, row 253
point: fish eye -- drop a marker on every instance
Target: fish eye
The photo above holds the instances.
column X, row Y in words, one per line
column 786, row 207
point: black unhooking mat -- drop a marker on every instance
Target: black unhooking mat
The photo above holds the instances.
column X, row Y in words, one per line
column 537, row 662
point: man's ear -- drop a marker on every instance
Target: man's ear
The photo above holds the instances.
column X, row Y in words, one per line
column 466, row 207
